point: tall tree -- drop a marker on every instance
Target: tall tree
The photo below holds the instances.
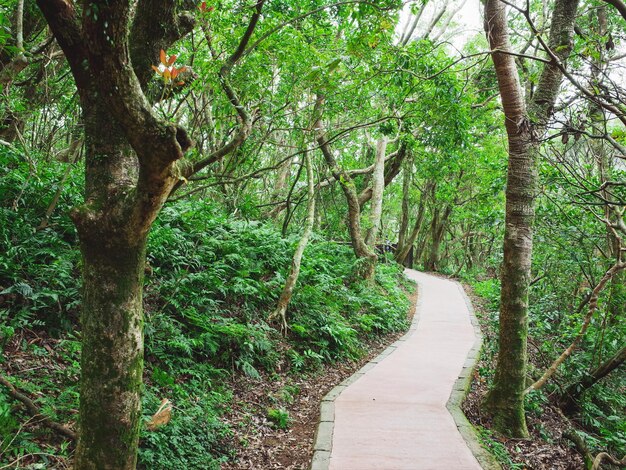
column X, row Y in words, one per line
column 133, row 161
column 525, row 125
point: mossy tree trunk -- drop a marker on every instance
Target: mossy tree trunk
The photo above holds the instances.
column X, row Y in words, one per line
column 112, row 354
column 113, row 250
column 524, row 128
column 132, row 164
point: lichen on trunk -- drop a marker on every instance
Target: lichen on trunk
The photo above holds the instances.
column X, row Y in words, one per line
column 112, row 354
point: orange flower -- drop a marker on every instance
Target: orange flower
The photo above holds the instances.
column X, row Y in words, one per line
column 167, row 70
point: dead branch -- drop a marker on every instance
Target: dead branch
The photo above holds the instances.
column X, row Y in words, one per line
column 33, row 410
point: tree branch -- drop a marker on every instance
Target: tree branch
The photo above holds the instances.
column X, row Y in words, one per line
column 619, row 5
column 63, row 21
column 593, row 305
column 32, row 410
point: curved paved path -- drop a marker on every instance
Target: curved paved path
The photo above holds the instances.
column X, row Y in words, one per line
column 394, row 417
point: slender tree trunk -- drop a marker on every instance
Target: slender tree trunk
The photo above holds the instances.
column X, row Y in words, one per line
column 403, row 249
column 407, row 35
column 406, row 191
column 285, row 297
column 378, row 186
column 569, row 399
column 391, row 170
column 505, row 400
column 366, row 257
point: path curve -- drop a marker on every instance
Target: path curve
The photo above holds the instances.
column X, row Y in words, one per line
column 393, row 415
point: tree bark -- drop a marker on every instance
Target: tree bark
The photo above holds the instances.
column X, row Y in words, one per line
column 366, row 257
column 378, row 186
column 505, row 400
column 285, row 296
column 112, row 354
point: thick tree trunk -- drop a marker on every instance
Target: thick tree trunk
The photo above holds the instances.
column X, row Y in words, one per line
column 505, row 400
column 285, row 296
column 113, row 249
column 378, row 186
column 112, row 354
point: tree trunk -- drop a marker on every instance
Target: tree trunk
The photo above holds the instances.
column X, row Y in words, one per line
column 406, row 191
column 378, row 186
column 403, row 249
column 132, row 164
column 366, row 257
column 112, row 354
column 437, row 232
column 285, row 297
column 392, row 168
column 569, row 399
column 113, row 252
column 505, row 400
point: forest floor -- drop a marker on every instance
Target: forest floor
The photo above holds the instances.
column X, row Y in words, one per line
column 258, row 443
column 545, row 449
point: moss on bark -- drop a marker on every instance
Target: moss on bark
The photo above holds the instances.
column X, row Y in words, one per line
column 112, row 356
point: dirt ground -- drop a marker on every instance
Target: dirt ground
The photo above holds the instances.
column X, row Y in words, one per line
column 546, row 448
column 259, row 444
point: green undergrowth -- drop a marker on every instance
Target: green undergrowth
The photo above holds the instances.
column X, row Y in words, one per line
column 211, row 282
column 599, row 419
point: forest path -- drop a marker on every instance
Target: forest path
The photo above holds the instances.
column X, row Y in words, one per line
column 394, row 416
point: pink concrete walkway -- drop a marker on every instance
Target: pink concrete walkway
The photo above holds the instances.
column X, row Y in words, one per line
column 394, row 417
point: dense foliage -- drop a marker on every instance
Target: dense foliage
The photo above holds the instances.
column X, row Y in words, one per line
column 213, row 282
column 261, row 88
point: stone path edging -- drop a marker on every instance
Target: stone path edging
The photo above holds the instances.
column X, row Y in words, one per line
column 323, row 441
column 324, row 434
column 461, row 389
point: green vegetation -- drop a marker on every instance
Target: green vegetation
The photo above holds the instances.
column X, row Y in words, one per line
column 170, row 191
column 213, row 282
